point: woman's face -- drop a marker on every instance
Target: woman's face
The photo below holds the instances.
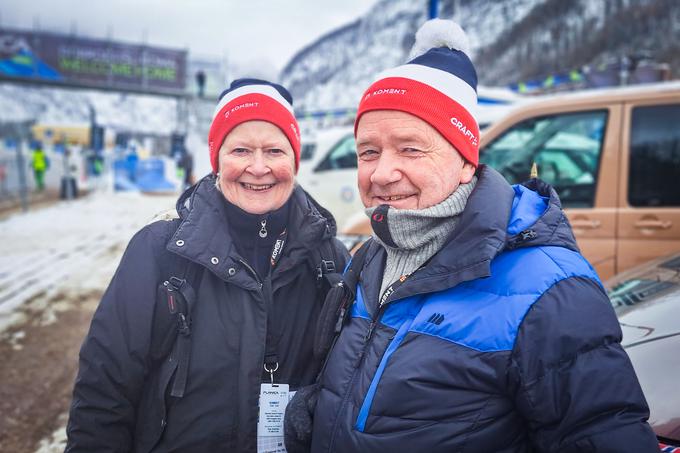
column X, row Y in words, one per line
column 256, row 167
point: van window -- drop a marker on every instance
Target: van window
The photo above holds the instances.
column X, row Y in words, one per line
column 342, row 155
column 654, row 169
column 566, row 149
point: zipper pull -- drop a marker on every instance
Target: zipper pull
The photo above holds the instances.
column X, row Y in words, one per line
column 369, row 333
column 367, row 338
column 263, row 230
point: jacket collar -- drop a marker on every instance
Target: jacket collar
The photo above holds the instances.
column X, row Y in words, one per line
column 497, row 217
column 203, row 234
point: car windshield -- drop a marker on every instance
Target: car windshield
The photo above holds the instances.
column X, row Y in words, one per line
column 566, row 149
column 640, row 287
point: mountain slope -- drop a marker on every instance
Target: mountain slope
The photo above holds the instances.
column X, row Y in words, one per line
column 512, row 40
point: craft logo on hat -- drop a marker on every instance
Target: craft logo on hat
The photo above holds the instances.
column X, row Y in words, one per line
column 295, row 130
column 464, row 130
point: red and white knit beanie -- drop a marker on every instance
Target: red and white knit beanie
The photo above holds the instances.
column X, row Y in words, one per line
column 438, row 85
column 249, row 100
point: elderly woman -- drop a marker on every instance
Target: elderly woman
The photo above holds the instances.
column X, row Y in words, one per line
column 240, row 272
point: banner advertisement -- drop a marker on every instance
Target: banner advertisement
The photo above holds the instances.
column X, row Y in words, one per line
column 91, row 62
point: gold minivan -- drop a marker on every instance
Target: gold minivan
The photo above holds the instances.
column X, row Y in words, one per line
column 613, row 156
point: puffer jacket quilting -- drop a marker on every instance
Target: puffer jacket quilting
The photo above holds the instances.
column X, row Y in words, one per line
column 504, row 341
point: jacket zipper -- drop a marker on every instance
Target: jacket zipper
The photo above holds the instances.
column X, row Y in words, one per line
column 260, row 284
column 367, row 340
column 367, row 337
column 253, row 272
column 371, row 329
column 401, row 332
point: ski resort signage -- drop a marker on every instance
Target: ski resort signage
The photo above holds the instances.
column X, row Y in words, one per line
column 69, row 60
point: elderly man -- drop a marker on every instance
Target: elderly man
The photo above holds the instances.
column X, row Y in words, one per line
column 477, row 325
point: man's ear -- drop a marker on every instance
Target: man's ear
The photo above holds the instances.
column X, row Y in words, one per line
column 467, row 172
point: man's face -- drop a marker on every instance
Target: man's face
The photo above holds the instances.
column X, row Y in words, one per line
column 257, row 167
column 405, row 163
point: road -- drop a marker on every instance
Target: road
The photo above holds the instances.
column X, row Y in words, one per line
column 54, row 266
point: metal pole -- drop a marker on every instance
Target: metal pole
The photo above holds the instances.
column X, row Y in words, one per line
column 433, row 9
column 21, row 165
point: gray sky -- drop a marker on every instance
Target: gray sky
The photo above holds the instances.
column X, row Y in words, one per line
column 246, row 32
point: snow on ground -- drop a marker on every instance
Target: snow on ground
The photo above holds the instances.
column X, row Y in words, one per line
column 56, row 442
column 66, row 247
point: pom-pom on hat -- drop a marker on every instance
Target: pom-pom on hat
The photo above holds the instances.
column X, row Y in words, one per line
column 249, row 100
column 438, row 85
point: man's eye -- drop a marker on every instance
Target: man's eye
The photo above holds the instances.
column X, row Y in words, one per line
column 240, row 150
column 411, row 150
column 368, row 154
column 275, row 151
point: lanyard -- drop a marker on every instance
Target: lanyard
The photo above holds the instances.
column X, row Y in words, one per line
column 271, row 357
column 277, row 249
column 392, row 288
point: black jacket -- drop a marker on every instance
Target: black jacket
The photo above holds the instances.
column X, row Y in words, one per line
column 504, row 341
column 119, row 405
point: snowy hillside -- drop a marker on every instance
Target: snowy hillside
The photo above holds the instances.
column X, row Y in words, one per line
column 334, row 71
column 559, row 36
column 511, row 40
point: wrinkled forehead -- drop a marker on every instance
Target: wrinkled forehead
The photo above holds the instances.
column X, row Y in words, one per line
column 391, row 123
column 397, row 127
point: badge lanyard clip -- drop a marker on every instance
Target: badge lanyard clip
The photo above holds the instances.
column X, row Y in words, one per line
column 271, row 371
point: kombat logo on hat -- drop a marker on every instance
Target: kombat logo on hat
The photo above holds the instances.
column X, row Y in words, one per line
column 239, row 107
column 386, row 91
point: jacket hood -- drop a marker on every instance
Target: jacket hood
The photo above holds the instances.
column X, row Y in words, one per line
column 499, row 217
column 537, row 218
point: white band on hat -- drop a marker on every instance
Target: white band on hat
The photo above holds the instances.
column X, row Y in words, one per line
column 266, row 90
column 449, row 84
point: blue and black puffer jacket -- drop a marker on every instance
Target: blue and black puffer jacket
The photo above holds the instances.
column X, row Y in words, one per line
column 505, row 341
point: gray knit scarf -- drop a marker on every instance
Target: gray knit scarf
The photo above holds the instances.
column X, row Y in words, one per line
column 418, row 233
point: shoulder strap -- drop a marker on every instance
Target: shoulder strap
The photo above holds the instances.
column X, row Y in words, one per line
column 183, row 333
column 324, row 261
column 171, row 328
column 337, row 306
column 354, row 267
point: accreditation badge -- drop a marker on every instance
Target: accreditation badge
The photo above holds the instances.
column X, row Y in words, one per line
column 273, row 401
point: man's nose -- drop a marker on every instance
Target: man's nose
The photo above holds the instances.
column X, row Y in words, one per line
column 258, row 165
column 387, row 170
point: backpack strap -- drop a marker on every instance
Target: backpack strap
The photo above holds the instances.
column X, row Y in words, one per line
column 323, row 260
column 182, row 349
column 336, row 307
column 171, row 328
column 354, row 267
